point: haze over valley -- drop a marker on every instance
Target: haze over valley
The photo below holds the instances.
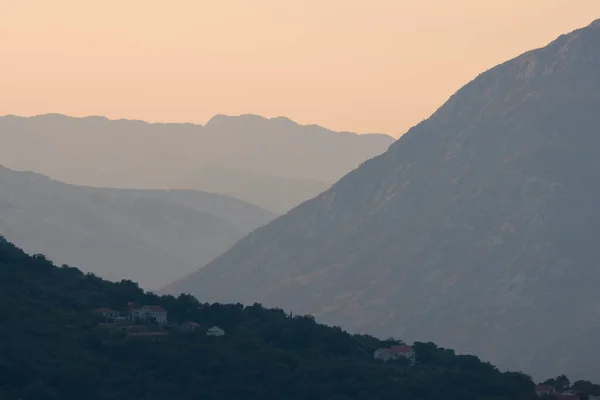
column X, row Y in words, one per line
column 339, row 200
column 273, row 163
column 150, row 236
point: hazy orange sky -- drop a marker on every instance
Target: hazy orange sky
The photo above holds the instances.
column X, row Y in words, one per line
column 357, row 65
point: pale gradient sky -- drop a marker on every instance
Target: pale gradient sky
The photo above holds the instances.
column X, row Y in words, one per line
column 357, row 65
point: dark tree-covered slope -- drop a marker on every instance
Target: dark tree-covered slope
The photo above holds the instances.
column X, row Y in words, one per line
column 151, row 236
column 478, row 229
column 53, row 348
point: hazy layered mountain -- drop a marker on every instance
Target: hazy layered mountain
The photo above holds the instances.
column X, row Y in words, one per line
column 151, row 236
column 271, row 192
column 273, row 163
column 478, row 229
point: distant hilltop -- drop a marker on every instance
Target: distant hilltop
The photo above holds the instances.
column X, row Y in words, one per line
column 274, row 163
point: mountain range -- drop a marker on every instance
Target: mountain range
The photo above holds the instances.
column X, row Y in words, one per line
column 478, row 229
column 273, row 163
column 151, row 236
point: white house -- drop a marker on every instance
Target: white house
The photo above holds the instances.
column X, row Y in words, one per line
column 215, row 331
column 147, row 312
column 394, row 353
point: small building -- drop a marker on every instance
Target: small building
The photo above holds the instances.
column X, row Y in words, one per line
column 215, row 331
column 107, row 312
column 395, row 353
column 189, row 326
column 147, row 312
column 544, row 390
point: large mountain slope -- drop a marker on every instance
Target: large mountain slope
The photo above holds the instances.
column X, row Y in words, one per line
column 151, row 236
column 478, row 229
column 292, row 161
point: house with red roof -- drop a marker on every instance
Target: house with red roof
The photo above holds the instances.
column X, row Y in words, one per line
column 544, row 390
column 395, row 353
column 107, row 313
column 147, row 312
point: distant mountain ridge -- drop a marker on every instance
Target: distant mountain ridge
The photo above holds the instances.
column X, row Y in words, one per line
column 236, row 156
column 148, row 235
column 477, row 229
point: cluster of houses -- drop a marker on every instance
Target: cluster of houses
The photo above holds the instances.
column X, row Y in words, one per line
column 549, row 391
column 395, row 352
column 145, row 314
column 402, row 351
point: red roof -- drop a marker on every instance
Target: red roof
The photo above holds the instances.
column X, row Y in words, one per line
column 155, row 308
column 401, row 349
column 104, row 310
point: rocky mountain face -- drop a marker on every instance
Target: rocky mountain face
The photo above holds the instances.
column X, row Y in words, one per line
column 150, row 236
column 273, row 163
column 478, row 229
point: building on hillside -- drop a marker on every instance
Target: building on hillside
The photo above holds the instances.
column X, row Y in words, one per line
column 544, row 390
column 147, row 312
column 215, row 331
column 395, row 353
column 107, row 312
column 189, row 326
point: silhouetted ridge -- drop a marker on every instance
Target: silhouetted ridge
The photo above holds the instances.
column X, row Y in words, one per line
column 56, row 344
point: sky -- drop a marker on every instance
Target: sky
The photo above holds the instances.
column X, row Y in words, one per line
column 354, row 65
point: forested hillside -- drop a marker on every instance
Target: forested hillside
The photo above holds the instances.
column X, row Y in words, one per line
column 53, row 348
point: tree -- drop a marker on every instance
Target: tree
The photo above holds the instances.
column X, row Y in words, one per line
column 562, row 383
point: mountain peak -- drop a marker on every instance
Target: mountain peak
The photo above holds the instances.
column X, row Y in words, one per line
column 595, row 24
column 223, row 119
column 462, row 231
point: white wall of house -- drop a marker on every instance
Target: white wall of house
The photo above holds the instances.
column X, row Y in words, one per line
column 160, row 317
column 382, row 354
column 145, row 313
column 215, row 331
